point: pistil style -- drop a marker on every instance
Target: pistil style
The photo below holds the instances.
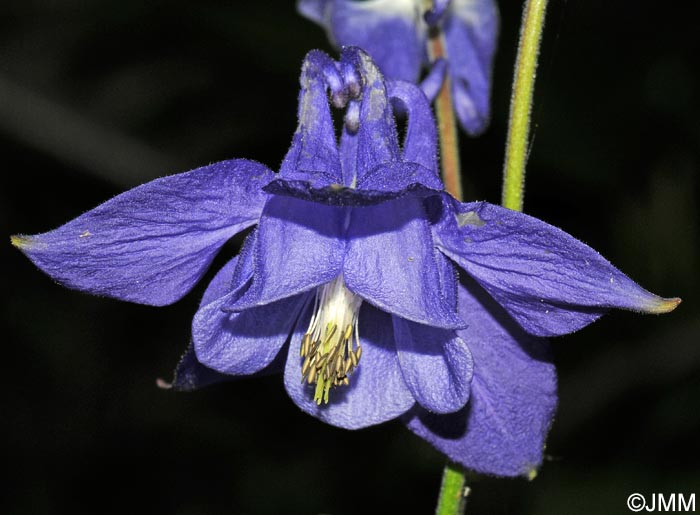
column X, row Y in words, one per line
column 331, row 346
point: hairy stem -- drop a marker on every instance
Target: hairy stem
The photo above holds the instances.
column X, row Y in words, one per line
column 521, row 104
column 453, row 491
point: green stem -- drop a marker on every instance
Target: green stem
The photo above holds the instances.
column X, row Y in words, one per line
column 521, row 104
column 453, row 491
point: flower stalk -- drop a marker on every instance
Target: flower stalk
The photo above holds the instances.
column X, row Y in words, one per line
column 447, row 125
column 521, row 104
column 453, row 491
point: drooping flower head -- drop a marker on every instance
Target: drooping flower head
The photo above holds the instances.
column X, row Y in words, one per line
column 375, row 292
column 395, row 34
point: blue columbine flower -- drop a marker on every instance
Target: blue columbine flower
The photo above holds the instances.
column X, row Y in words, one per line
column 348, row 281
column 394, row 33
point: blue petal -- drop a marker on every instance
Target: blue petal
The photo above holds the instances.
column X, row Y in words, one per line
column 190, row 374
column 449, row 277
column 299, row 246
column 235, row 275
column 385, row 29
column 222, row 283
column 392, row 180
column 314, row 10
column 435, row 14
column 471, row 33
column 374, row 168
column 377, row 140
column 151, row 244
column 548, row 281
column 436, row 365
column 313, row 155
column 432, row 83
column 387, row 181
column 348, row 155
column 391, row 263
column 245, row 342
column 502, row 430
column 376, row 392
column 420, row 145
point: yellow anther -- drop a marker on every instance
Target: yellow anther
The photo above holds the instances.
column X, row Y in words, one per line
column 353, row 358
column 305, row 366
column 305, row 345
column 312, row 375
column 328, row 344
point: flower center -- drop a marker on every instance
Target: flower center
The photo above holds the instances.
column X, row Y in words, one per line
column 327, row 346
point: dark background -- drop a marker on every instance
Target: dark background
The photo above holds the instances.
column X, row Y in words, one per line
column 96, row 97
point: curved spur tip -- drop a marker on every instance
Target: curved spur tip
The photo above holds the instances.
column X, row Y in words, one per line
column 20, row 241
column 661, row 305
column 163, row 384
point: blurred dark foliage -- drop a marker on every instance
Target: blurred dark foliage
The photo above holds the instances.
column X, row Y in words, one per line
column 99, row 96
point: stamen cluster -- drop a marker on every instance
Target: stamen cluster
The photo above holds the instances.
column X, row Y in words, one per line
column 327, row 346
